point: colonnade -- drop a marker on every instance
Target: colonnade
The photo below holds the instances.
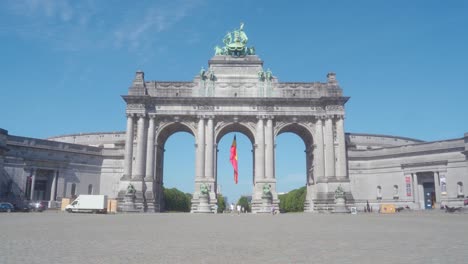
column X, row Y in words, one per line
column 418, row 190
column 328, row 152
column 53, row 186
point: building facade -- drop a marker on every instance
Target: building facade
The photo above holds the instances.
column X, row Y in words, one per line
column 236, row 94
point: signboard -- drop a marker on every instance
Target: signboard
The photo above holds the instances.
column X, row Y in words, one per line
column 408, row 185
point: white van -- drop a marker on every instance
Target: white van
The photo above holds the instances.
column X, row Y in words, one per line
column 88, row 204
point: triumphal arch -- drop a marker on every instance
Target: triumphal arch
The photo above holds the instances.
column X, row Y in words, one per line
column 235, row 94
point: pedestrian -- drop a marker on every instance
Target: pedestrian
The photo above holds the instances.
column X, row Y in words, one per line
column 232, row 208
column 273, row 210
column 243, row 209
column 238, row 209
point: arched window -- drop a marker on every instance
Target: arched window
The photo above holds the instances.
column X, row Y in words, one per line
column 395, row 192
column 460, row 190
column 73, row 189
column 379, row 192
column 90, row 189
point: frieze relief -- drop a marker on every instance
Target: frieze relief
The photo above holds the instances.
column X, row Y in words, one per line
column 135, row 106
column 316, row 108
column 334, row 108
column 205, row 107
column 265, row 108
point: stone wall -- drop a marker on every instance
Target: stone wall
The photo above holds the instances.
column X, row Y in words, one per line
column 88, row 169
column 106, row 139
column 371, row 141
column 388, row 167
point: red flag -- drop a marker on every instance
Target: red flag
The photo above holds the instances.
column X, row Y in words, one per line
column 233, row 159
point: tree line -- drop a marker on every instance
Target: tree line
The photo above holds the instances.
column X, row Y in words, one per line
column 178, row 201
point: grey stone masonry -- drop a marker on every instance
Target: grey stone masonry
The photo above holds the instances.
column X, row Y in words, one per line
column 237, row 94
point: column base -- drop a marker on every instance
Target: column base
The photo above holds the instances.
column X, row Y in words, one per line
column 126, row 178
column 148, row 179
column 137, row 178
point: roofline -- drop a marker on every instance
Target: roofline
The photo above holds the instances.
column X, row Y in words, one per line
column 86, row 134
column 388, row 136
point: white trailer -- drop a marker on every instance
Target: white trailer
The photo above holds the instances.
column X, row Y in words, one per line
column 88, row 204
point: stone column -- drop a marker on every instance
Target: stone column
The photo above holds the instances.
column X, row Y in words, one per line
column 128, row 149
column 341, row 171
column 416, row 190
column 200, row 151
column 209, row 168
column 269, row 150
column 33, row 182
column 319, row 151
column 53, row 187
column 259, row 150
column 329, row 149
column 150, row 151
column 215, row 167
column 309, row 165
column 159, row 157
column 437, row 188
column 141, row 149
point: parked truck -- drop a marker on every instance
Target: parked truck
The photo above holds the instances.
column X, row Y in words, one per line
column 88, row 204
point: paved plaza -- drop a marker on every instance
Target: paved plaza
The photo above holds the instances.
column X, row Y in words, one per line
column 56, row 237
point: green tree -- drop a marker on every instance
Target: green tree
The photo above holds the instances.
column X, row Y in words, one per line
column 221, row 203
column 177, row 201
column 244, row 202
column 293, row 201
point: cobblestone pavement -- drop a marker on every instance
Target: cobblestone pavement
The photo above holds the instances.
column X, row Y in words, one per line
column 55, row 237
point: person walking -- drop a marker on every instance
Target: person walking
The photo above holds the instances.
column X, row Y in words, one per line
column 238, row 209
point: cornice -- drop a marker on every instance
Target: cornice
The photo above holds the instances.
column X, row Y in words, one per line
column 146, row 99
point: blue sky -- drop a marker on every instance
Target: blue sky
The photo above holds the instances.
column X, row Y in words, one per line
column 64, row 65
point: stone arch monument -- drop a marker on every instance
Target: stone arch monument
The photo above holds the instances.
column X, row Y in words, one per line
column 235, row 93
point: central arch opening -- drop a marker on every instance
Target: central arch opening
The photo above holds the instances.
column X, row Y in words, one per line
column 226, row 185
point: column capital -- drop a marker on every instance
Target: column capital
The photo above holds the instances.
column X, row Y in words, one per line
column 201, row 117
column 130, row 115
column 261, row 117
column 141, row 115
column 320, row 117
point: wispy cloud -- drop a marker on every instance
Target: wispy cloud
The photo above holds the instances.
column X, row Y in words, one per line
column 138, row 29
column 77, row 25
column 60, row 24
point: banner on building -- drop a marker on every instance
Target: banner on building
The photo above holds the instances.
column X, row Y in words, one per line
column 408, row 185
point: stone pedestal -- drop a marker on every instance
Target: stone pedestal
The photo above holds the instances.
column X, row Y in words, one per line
column 267, row 203
column 340, row 205
column 129, row 203
column 204, row 204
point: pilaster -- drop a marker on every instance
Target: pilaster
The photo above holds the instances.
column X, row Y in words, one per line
column 128, row 148
column 209, row 162
column 269, row 149
column 437, row 189
column 33, row 183
column 141, row 149
column 259, row 150
column 329, row 149
column 341, row 170
column 150, row 150
column 200, row 149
